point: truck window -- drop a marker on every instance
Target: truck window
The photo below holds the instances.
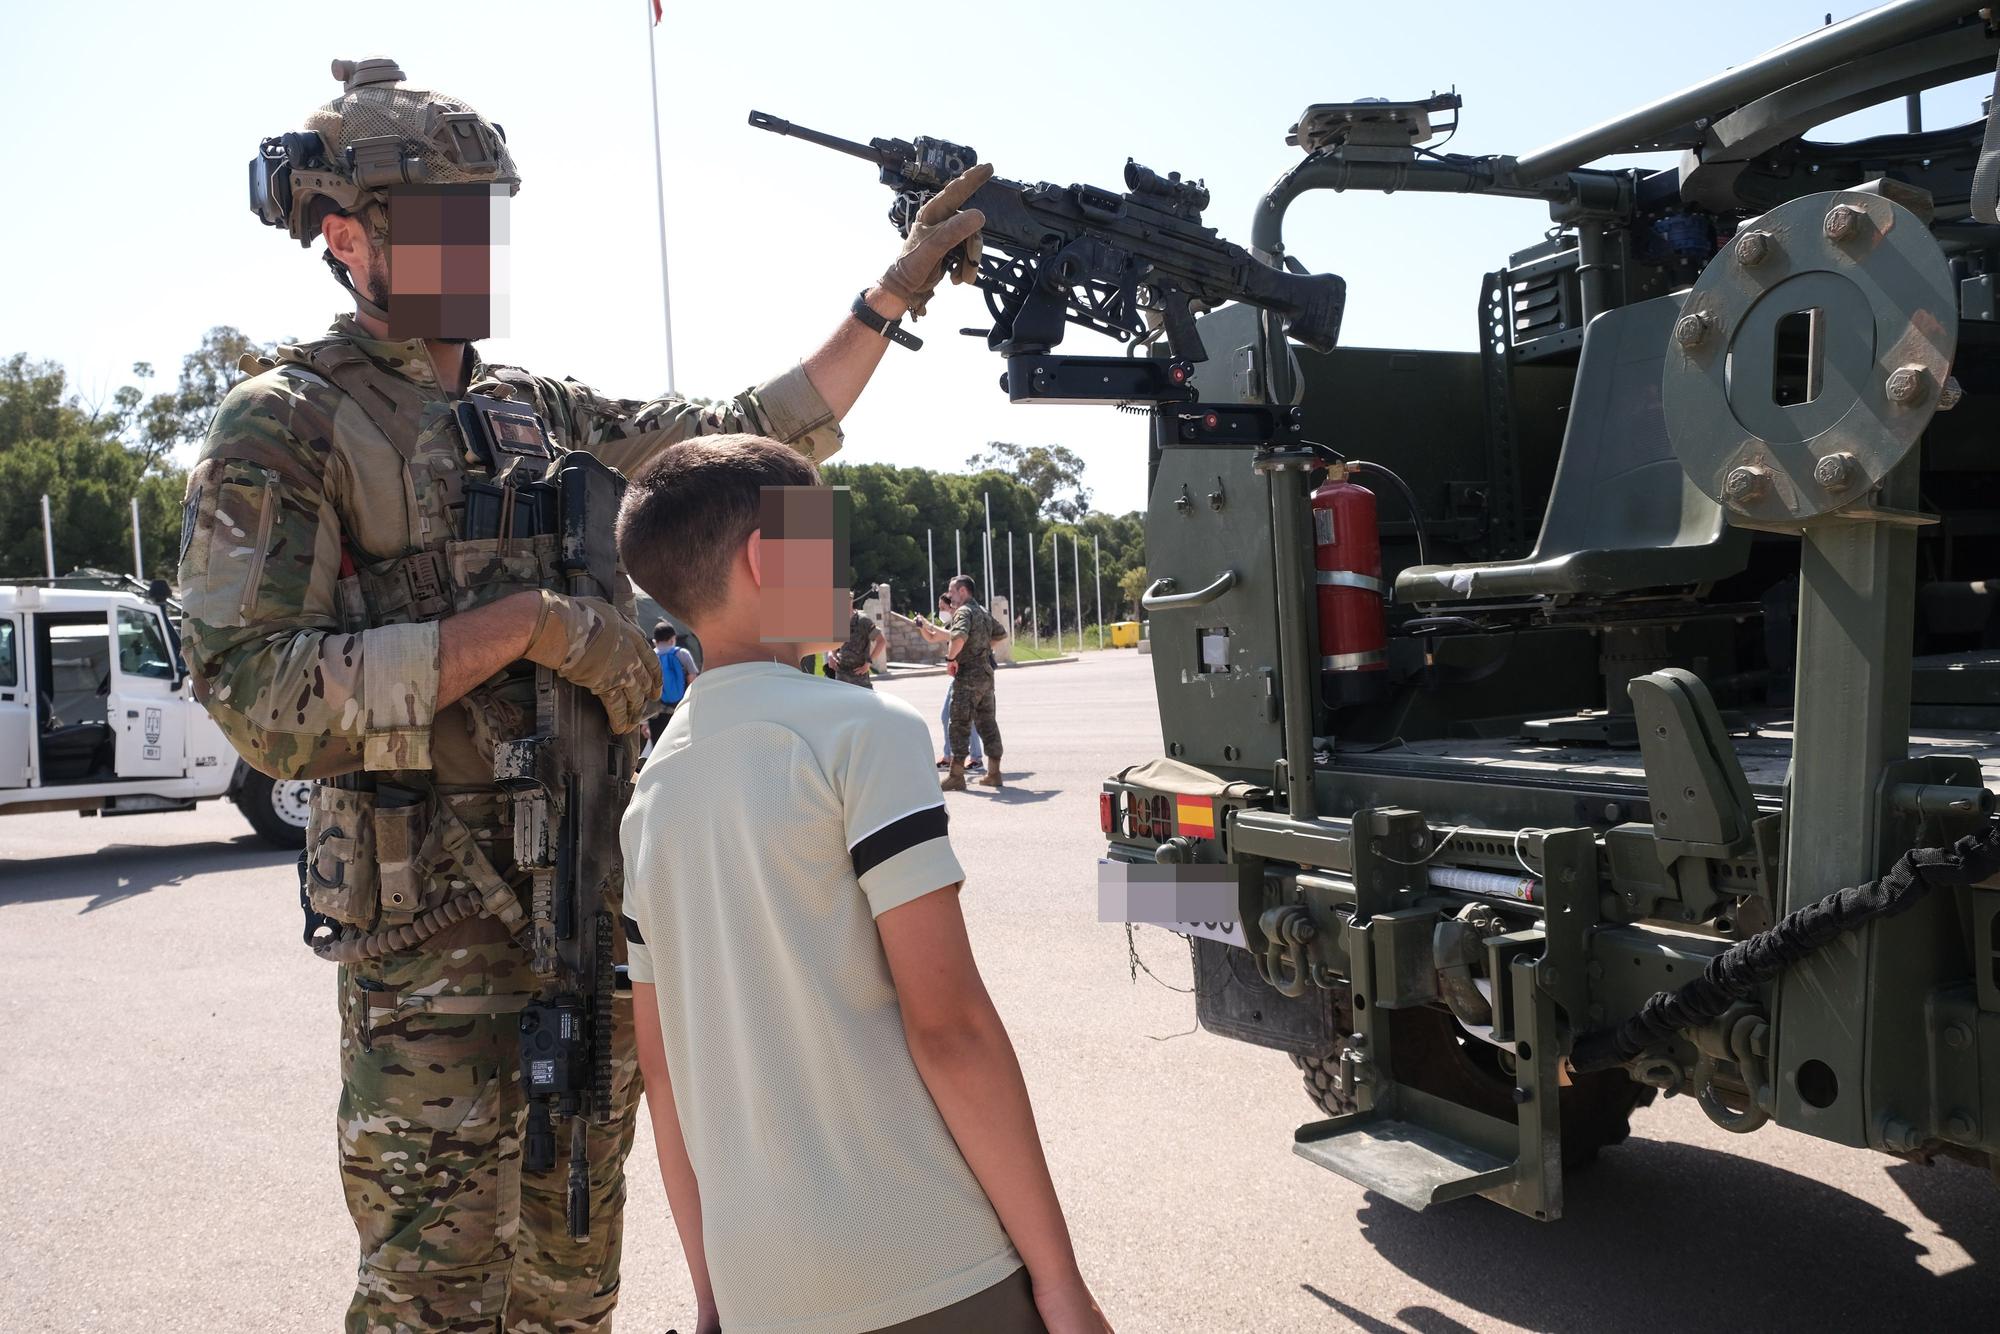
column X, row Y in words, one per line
column 142, row 649
column 10, row 672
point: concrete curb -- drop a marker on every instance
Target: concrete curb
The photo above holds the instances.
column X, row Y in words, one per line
column 914, row 672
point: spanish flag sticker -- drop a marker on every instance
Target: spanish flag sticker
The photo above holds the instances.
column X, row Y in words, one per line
column 1196, row 816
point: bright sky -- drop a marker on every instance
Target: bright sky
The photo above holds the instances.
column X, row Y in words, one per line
column 129, row 124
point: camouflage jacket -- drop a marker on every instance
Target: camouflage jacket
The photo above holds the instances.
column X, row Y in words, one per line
column 310, row 614
column 976, row 626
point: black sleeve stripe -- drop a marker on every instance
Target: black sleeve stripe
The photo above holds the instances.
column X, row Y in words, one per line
column 632, row 930
column 898, row 836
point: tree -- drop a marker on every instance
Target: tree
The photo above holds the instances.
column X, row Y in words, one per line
column 1052, row 473
column 1131, row 585
column 92, row 460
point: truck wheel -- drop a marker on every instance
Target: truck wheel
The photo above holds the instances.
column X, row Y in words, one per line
column 275, row 808
column 1429, row 1053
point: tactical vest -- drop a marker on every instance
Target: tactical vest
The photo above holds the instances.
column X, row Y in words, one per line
column 389, row 862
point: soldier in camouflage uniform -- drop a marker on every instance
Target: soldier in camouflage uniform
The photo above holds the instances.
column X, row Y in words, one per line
column 850, row 662
column 972, row 632
column 341, row 626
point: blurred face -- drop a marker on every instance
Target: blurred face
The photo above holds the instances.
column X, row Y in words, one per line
column 960, row 595
column 443, row 273
column 803, row 534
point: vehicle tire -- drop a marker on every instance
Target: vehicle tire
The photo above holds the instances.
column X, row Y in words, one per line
column 276, row 808
column 1429, row 1052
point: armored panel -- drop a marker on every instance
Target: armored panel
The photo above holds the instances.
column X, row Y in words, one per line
column 1215, row 663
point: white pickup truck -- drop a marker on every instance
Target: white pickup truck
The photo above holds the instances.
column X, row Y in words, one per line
column 97, row 716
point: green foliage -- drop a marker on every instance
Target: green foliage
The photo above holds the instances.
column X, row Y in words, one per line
column 91, row 460
column 1052, row 472
column 894, row 506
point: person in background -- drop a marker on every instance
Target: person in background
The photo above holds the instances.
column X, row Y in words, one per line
column 945, row 610
column 677, row 673
column 850, row 662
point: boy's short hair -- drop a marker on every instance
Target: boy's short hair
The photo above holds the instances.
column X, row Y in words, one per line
column 687, row 514
column 662, row 631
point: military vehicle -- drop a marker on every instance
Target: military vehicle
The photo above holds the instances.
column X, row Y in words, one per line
column 1643, row 741
column 97, row 717
column 1682, row 620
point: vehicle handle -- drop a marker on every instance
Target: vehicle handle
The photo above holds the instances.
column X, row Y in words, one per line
column 1159, row 595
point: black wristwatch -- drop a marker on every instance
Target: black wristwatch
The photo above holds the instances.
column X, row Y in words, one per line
column 890, row 329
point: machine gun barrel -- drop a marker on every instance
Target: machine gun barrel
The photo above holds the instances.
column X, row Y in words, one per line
column 879, row 156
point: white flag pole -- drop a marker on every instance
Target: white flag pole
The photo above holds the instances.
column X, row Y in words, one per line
column 1076, row 578
column 660, row 187
column 138, row 558
column 1034, row 611
column 1013, row 612
column 930, row 573
column 48, row 536
column 1055, row 552
column 988, row 589
column 1097, row 573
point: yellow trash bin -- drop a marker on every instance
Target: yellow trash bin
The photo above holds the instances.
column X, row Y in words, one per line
column 1124, row 634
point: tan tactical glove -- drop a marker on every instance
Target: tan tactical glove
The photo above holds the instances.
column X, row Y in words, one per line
column 586, row 642
column 939, row 229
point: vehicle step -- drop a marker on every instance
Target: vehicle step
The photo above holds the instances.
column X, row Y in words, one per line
column 144, row 805
column 1410, row 1164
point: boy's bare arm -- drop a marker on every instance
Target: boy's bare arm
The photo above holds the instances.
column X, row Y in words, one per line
column 962, row 1051
column 676, row 1170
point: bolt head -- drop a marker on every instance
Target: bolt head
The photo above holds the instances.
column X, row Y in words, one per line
column 1835, row 472
column 1690, row 331
column 1906, row 384
column 1961, row 1126
column 1745, row 484
column 1753, row 247
column 1843, row 221
column 1952, row 392
column 1957, row 1036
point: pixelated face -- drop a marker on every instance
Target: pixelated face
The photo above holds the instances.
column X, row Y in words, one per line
column 448, row 261
column 805, row 547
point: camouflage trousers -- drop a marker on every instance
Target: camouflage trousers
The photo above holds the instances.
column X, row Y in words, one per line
column 455, row 1235
column 972, row 706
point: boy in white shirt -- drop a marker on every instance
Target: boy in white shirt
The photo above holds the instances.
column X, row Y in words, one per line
column 844, row 1134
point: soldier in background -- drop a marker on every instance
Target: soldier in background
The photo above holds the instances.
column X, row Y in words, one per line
column 343, row 625
column 851, row 662
column 971, row 636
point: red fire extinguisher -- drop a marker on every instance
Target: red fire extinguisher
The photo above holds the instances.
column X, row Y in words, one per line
column 1347, row 561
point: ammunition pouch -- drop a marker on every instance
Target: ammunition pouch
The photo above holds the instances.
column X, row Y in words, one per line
column 340, row 869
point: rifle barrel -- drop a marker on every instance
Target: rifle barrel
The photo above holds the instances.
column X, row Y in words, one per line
column 847, row 146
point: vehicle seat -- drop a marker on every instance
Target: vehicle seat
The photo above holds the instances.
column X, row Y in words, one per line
column 1622, row 516
column 78, row 752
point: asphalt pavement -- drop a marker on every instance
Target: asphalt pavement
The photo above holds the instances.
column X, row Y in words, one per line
column 168, row 1084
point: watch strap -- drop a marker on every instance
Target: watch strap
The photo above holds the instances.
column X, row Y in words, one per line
column 892, row 330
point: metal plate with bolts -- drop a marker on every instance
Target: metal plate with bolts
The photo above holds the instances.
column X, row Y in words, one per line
column 1810, row 356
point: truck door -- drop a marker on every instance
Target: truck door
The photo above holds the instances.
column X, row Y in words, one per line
column 147, row 712
column 16, row 705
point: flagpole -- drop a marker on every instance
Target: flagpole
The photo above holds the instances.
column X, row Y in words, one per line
column 1013, row 612
column 1034, row 609
column 1076, row 578
column 660, row 187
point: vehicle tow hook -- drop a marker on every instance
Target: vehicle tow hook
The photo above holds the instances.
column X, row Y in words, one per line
column 1283, row 964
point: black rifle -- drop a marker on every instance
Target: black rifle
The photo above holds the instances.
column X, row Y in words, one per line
column 571, row 781
column 1084, row 255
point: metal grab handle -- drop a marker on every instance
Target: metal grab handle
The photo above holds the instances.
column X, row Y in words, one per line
column 1157, row 596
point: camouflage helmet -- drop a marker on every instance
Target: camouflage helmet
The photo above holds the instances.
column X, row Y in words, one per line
column 376, row 134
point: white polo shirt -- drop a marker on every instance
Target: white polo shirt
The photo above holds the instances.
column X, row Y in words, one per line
column 779, row 815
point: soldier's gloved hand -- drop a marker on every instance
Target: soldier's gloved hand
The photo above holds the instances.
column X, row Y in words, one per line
column 940, row 228
column 586, row 641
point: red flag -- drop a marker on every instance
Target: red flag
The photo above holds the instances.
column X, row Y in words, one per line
column 657, row 15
